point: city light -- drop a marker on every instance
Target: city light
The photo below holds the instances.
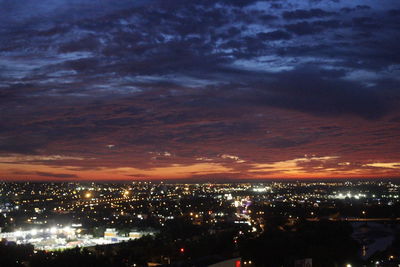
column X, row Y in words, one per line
column 236, row 205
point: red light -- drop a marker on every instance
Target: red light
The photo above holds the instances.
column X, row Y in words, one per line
column 182, row 250
column 237, row 264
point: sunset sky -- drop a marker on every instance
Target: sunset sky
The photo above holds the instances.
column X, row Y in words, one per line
column 207, row 89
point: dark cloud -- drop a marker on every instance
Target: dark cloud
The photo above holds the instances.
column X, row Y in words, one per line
column 313, row 93
column 21, row 143
column 303, row 28
column 394, row 12
column 56, row 175
column 363, row 7
column 274, row 35
column 366, row 22
column 309, row 28
column 347, row 9
column 307, row 14
column 276, row 5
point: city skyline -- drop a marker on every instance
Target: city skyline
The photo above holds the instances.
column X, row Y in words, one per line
column 98, row 90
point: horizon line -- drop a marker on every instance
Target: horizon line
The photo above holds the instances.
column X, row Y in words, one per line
column 209, row 180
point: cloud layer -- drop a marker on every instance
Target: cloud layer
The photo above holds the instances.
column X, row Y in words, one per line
column 150, row 89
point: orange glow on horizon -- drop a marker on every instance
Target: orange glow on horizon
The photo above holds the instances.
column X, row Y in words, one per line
column 235, row 168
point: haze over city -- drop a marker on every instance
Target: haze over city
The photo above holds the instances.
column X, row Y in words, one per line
column 127, row 90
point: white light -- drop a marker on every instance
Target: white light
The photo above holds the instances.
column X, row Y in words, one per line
column 259, row 189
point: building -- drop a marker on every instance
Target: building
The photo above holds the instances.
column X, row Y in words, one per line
column 110, row 233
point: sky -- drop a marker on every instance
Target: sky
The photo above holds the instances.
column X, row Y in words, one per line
column 206, row 89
